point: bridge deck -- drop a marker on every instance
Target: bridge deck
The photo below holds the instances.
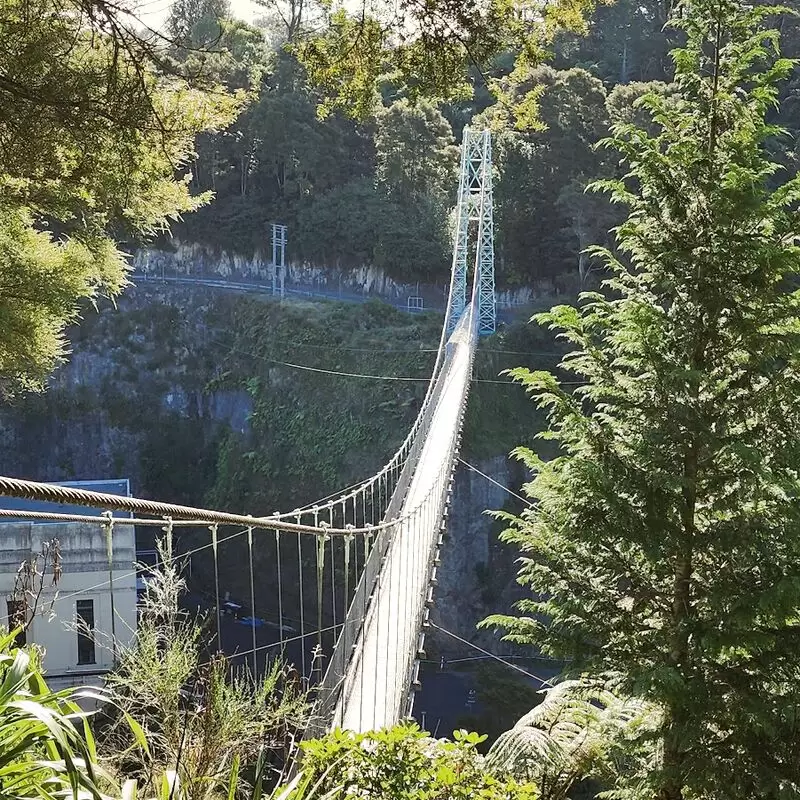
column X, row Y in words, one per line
column 377, row 679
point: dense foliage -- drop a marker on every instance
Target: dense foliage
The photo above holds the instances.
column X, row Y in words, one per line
column 425, row 49
column 46, row 748
column 375, row 191
column 352, row 195
column 579, row 732
column 403, row 763
column 91, row 147
column 90, row 138
column 664, row 545
column 311, row 431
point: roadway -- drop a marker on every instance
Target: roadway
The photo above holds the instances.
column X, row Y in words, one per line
column 377, row 681
column 504, row 315
column 291, row 293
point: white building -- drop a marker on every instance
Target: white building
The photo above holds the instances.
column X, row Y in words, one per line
column 84, row 593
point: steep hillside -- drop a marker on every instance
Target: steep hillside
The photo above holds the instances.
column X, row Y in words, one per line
column 204, row 397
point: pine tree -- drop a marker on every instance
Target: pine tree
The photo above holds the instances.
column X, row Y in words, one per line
column 664, row 543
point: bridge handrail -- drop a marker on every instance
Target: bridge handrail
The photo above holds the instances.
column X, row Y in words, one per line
column 348, row 647
column 67, row 495
column 398, row 458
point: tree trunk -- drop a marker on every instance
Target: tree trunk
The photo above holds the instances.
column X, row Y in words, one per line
column 681, row 614
column 672, row 791
column 583, row 270
column 246, row 160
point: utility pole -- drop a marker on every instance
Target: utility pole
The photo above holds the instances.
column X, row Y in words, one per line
column 278, row 257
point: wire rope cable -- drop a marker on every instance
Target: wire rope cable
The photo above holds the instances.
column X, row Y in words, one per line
column 493, row 656
column 495, row 482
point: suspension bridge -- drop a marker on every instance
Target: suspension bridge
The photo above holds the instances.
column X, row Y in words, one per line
column 350, row 579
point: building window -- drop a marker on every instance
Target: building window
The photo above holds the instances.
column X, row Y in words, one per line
column 85, row 610
column 17, row 611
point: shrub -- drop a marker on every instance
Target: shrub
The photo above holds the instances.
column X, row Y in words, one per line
column 46, row 747
column 402, row 763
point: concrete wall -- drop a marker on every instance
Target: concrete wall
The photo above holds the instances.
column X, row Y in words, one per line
column 84, row 576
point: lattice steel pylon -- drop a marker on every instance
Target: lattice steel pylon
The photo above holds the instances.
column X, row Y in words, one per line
column 474, row 205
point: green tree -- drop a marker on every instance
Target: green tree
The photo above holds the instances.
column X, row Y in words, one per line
column 578, row 731
column 623, row 104
column 535, row 168
column 428, row 49
column 197, row 23
column 229, row 52
column 90, row 140
column 290, row 16
column 415, row 151
column 588, row 219
column 357, row 224
column 626, row 41
column 275, row 161
column 665, row 539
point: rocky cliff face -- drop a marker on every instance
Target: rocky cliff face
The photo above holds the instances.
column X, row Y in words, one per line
column 198, row 260
column 132, row 401
column 147, row 396
column 195, row 259
column 477, row 574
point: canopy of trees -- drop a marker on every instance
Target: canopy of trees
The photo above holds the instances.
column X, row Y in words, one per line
column 91, row 136
column 99, row 139
column 377, row 190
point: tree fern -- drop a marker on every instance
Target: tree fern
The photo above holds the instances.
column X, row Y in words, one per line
column 576, row 732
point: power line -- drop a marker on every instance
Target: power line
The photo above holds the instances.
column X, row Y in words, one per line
column 370, row 376
column 392, row 350
column 520, row 352
column 492, row 655
column 307, row 368
column 496, row 483
column 386, row 350
column 516, row 385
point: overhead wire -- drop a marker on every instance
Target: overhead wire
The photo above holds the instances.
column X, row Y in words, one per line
column 495, row 482
column 494, row 656
column 252, row 651
column 402, row 378
column 308, row 368
column 386, row 350
column 411, row 351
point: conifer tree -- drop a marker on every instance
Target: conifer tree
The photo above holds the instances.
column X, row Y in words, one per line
column 663, row 547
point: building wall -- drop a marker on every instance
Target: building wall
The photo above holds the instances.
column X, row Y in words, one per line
column 84, row 576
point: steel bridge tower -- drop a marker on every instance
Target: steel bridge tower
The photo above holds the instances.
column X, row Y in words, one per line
column 474, row 205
